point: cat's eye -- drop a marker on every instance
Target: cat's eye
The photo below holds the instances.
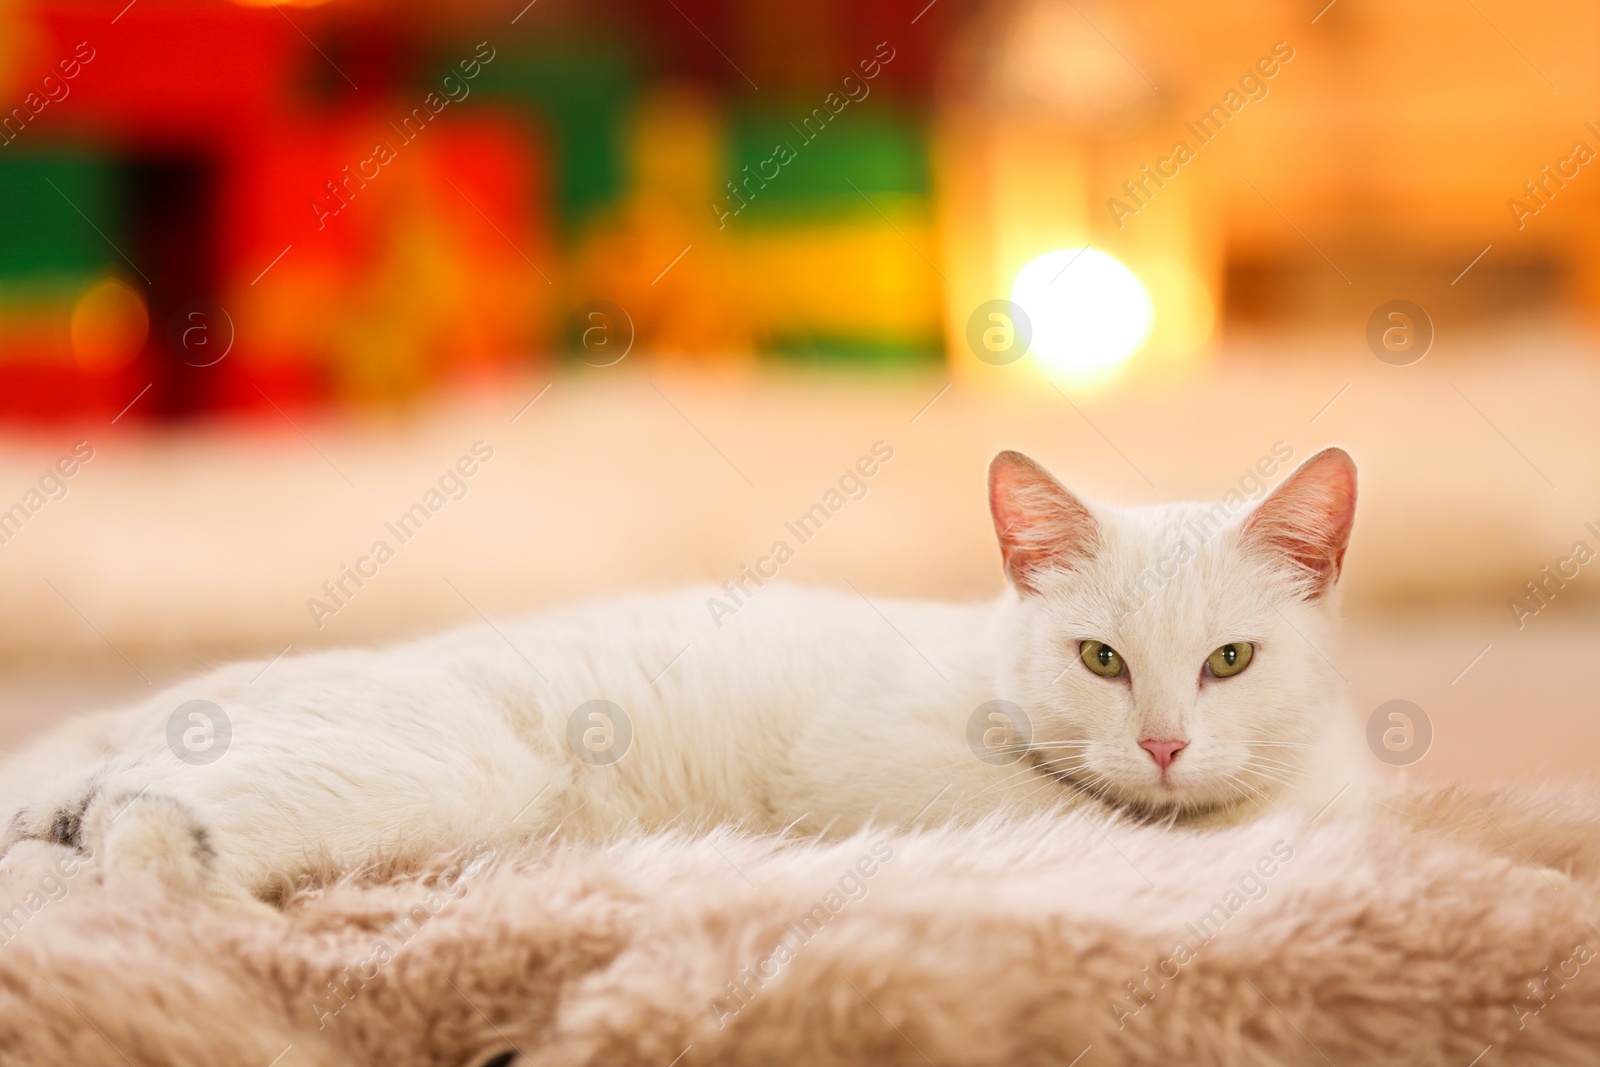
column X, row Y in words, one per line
column 1102, row 659
column 1230, row 659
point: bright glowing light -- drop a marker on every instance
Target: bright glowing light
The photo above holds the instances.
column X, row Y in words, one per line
column 1088, row 312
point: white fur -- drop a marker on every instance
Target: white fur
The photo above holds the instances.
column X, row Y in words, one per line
column 815, row 709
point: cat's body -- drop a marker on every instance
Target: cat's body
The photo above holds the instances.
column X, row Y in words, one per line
column 807, row 709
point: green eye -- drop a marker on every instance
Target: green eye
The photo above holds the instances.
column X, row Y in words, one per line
column 1229, row 660
column 1101, row 658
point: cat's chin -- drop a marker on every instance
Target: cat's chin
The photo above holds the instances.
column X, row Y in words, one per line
column 1159, row 804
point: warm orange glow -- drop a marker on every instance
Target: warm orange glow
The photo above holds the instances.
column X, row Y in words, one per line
column 281, row 3
column 109, row 325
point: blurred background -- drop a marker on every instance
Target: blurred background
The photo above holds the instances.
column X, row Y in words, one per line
column 660, row 271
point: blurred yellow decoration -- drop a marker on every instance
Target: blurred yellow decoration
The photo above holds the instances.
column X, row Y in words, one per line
column 675, row 149
column 657, row 253
column 859, row 277
column 395, row 328
column 109, row 326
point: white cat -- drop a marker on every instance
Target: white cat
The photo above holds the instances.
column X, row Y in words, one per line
column 1163, row 662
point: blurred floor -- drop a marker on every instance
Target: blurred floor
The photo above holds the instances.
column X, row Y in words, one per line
column 1475, row 473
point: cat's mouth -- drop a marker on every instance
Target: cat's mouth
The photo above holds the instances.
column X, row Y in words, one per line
column 1177, row 802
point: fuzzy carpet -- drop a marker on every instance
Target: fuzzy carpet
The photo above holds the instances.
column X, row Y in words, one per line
column 1438, row 929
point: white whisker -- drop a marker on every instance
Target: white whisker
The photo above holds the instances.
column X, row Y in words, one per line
column 1235, row 778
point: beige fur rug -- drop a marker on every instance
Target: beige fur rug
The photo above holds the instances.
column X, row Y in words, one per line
column 1440, row 929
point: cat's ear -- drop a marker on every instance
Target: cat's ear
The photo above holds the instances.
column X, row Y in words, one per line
column 1306, row 521
column 1040, row 524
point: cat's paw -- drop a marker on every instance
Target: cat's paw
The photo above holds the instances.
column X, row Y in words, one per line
column 33, row 875
column 155, row 836
column 29, row 860
column 151, row 835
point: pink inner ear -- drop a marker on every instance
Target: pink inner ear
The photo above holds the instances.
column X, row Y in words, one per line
column 1307, row 520
column 1040, row 524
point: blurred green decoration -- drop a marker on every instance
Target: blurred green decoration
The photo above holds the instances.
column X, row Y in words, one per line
column 50, row 206
column 885, row 352
column 581, row 89
column 882, row 153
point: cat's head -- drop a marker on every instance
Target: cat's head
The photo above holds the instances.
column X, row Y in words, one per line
column 1173, row 658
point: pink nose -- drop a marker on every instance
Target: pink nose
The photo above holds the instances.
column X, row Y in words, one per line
column 1163, row 752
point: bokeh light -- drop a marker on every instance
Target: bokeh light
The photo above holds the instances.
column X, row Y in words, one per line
column 1090, row 313
column 109, row 326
